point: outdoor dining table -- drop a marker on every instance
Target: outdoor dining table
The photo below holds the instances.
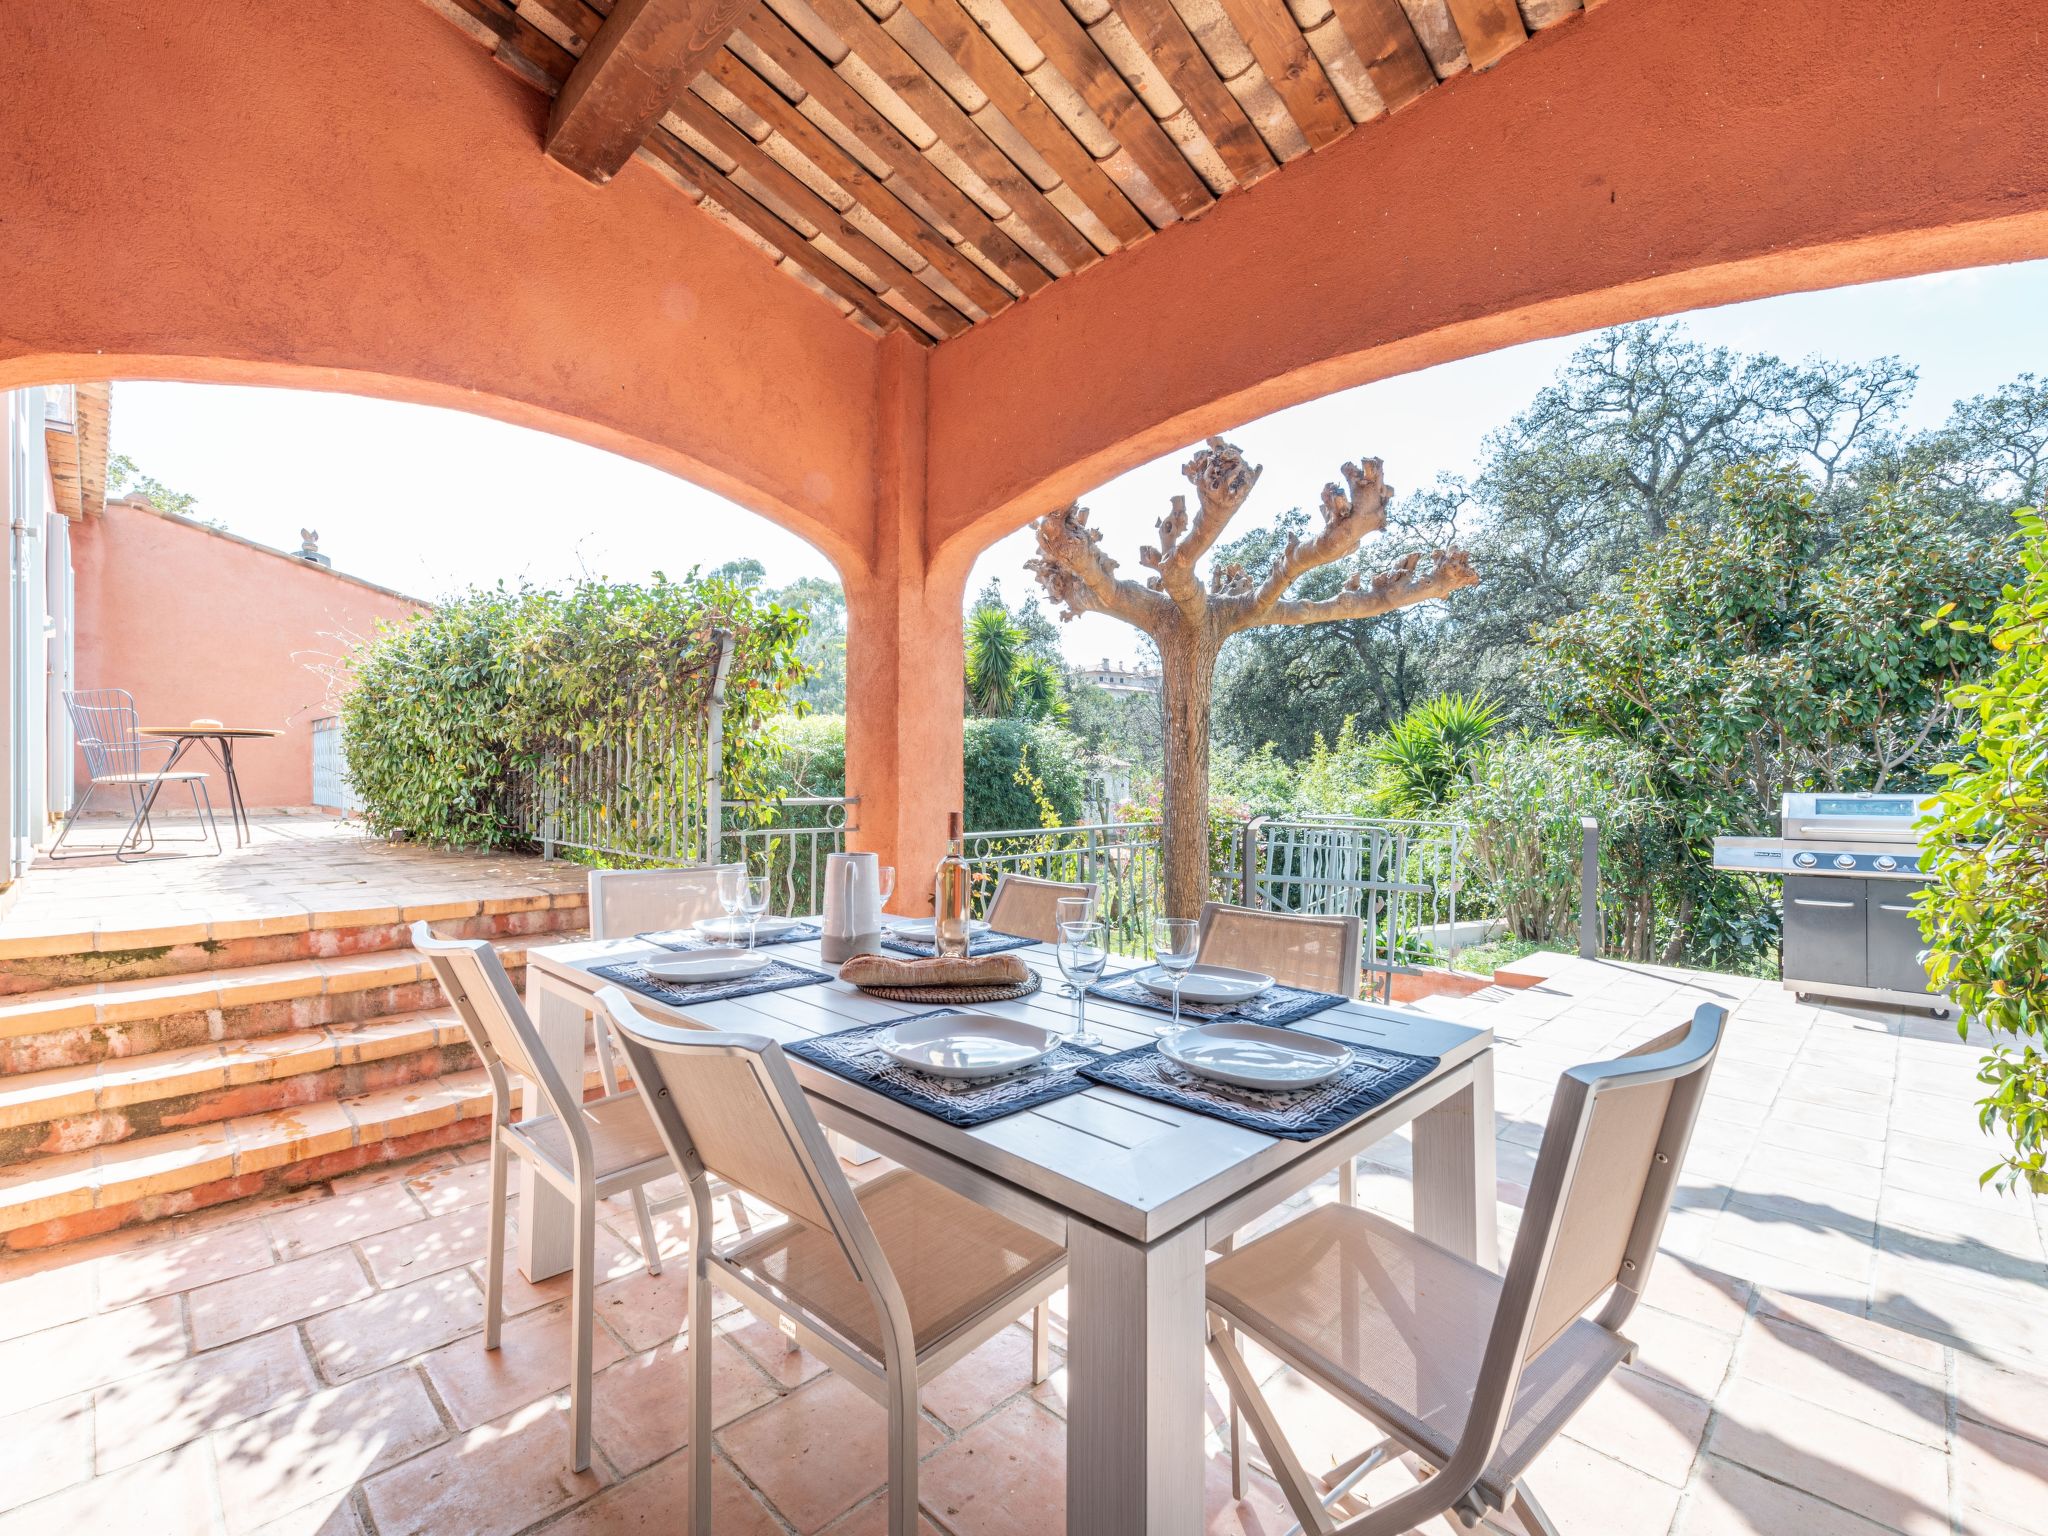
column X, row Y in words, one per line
column 219, row 741
column 1138, row 1191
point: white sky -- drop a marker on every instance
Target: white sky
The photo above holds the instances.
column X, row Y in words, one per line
column 427, row 500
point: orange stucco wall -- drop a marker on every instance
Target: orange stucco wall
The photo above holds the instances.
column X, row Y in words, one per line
column 1647, row 157
column 355, row 198
column 200, row 626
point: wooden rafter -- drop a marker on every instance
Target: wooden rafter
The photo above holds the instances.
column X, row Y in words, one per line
column 646, row 52
column 926, row 163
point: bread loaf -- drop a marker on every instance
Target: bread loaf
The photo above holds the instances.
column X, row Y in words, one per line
column 981, row 971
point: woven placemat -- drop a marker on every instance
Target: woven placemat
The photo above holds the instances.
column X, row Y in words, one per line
column 999, row 994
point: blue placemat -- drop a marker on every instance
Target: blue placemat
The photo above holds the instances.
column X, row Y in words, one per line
column 1373, row 1077
column 856, row 1054
column 775, row 976
column 990, row 943
column 684, row 939
column 1278, row 1005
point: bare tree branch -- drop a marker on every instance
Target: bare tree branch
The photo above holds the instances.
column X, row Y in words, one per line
column 1075, row 572
column 1407, row 581
column 1348, row 516
column 1222, row 480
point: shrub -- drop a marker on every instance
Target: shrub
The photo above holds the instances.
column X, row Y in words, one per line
column 1019, row 772
column 1985, row 914
column 1428, row 752
column 440, row 713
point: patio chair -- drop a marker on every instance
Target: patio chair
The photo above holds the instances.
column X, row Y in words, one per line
column 1470, row 1373
column 889, row 1284
column 1309, row 950
column 588, row 1151
column 1029, row 907
column 104, row 723
column 625, row 902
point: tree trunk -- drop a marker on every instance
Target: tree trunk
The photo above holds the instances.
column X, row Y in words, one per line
column 1188, row 673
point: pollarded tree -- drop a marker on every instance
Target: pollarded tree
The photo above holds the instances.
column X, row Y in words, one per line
column 1189, row 614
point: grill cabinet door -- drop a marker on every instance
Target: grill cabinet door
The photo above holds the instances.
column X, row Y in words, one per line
column 1825, row 937
column 1895, row 941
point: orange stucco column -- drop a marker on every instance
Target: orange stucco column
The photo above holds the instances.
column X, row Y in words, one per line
column 904, row 689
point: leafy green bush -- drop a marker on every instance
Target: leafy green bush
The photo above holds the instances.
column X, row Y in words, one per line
column 441, row 712
column 1985, row 915
column 1427, row 753
column 1019, row 772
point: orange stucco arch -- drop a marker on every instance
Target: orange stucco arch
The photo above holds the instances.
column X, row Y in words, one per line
column 1648, row 157
column 355, row 199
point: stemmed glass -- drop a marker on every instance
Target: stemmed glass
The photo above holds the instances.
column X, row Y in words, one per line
column 753, row 902
column 1072, row 909
column 732, row 885
column 1082, row 956
column 1175, row 943
column 885, row 885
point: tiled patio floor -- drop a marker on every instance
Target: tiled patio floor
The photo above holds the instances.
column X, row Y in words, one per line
column 1844, row 1336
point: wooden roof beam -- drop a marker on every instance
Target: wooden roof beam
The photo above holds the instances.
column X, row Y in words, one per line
column 644, row 55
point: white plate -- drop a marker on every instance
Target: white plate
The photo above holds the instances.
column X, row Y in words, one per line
column 1207, row 984
column 1255, row 1055
column 735, row 928
column 921, row 928
column 708, row 965
column 969, row 1045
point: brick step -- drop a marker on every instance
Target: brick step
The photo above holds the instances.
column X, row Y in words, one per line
column 74, row 1026
column 68, row 1109
column 37, row 962
column 57, row 1199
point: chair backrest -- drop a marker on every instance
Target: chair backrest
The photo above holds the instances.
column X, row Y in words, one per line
column 1029, row 907
column 729, row 1105
column 624, row 902
column 1603, row 1183
column 105, row 725
column 497, row 1024
column 1314, row 951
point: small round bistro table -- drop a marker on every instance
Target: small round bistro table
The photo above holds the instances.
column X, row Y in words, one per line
column 219, row 741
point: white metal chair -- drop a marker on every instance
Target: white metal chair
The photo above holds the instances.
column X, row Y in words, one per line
column 105, row 725
column 588, row 1151
column 1471, row 1373
column 889, row 1285
column 1315, row 951
column 1029, row 907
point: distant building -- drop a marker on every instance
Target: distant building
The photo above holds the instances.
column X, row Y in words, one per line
column 1118, row 677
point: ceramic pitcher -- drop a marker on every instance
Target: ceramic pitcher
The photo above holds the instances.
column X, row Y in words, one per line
column 853, row 907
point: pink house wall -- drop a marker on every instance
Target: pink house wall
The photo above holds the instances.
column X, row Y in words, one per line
column 201, row 624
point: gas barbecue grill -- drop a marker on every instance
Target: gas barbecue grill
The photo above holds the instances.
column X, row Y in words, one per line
column 1851, row 864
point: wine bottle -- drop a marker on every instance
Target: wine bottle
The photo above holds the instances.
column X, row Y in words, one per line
column 952, row 893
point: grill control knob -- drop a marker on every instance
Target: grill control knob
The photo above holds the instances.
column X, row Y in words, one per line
column 1886, row 862
column 1845, row 861
column 1804, row 860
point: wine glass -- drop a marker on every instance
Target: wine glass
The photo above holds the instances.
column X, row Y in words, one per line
column 732, row 885
column 1175, row 943
column 1082, row 956
column 753, row 902
column 1072, row 909
column 885, row 885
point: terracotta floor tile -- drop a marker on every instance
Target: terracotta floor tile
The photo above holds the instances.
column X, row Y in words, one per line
column 2009, row 1400
column 656, row 1503
column 1728, row 1500
column 1688, row 1355
column 331, row 1516
column 427, row 1247
column 872, row 1519
column 966, row 1390
column 171, row 1492
column 343, row 1219
column 647, row 1310
column 181, row 1264
column 284, row 1293
column 1883, row 1477
column 160, row 1410
column 766, row 1346
column 1698, row 1293
column 496, row 1479
column 1262, row 1511
column 1644, row 1423
column 395, row 1325
column 615, row 1260
column 1007, row 1476
column 641, row 1406
column 2002, row 1475
column 817, row 1452
column 76, row 1357
column 314, row 1450
column 45, row 1448
column 444, row 1188
column 33, row 1300
column 531, row 1362
column 1882, row 1393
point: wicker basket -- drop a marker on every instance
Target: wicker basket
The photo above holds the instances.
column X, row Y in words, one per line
column 999, row 994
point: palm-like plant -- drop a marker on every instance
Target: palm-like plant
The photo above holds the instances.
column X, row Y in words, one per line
column 1432, row 748
column 994, row 648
